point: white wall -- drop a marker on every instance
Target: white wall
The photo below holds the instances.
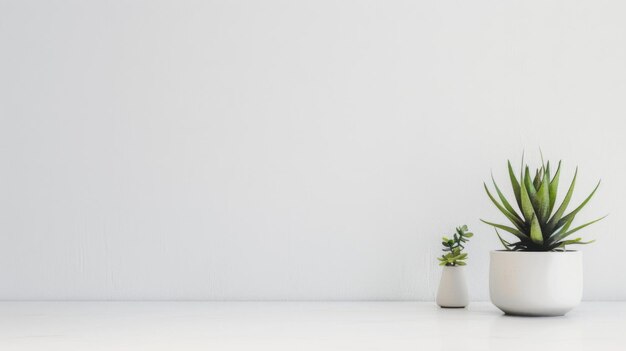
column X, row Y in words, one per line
column 292, row 149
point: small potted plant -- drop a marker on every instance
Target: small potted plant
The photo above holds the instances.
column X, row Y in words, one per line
column 452, row 292
column 537, row 275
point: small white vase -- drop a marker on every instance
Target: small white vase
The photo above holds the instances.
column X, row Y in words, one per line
column 536, row 283
column 452, row 291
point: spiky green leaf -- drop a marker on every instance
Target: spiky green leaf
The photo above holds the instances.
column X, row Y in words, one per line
column 554, row 187
column 515, row 184
column 530, row 188
column 567, row 233
column 560, row 230
column 577, row 241
column 505, row 202
column 537, row 179
column 535, row 231
column 517, row 222
column 559, row 212
column 543, row 199
column 527, row 207
column 505, row 243
column 513, row 231
column 580, row 207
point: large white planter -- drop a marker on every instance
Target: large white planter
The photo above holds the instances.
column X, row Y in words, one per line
column 452, row 292
column 536, row 283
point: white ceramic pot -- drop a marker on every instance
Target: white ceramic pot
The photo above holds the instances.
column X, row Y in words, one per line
column 536, row 283
column 452, row 291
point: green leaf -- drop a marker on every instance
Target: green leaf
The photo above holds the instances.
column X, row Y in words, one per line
column 543, row 198
column 567, row 233
column 513, row 231
column 576, row 241
column 559, row 212
column 560, row 230
column 468, row 235
column 461, row 263
column 530, row 188
column 505, row 202
column 517, row 222
column 537, row 179
column 554, row 187
column 515, row 184
column 505, row 243
column 580, row 207
column 567, row 225
column 535, row 231
column 527, row 207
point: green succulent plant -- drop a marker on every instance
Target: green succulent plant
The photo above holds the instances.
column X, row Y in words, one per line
column 539, row 225
column 453, row 247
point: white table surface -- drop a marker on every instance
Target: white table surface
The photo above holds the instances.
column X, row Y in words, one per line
column 302, row 326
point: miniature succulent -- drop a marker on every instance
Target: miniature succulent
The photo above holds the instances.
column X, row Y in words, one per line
column 454, row 248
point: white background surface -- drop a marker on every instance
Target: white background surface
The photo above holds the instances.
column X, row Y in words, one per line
column 69, row 326
column 292, row 150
